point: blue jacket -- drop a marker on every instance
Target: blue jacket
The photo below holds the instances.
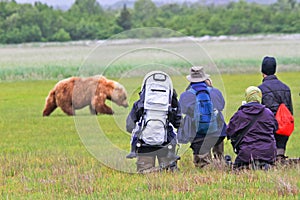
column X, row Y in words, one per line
column 259, row 141
column 187, row 102
column 219, row 104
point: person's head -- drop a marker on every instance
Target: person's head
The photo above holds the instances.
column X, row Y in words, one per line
column 268, row 66
column 197, row 74
column 253, row 94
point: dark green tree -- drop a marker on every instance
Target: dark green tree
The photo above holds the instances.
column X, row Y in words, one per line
column 86, row 20
column 124, row 20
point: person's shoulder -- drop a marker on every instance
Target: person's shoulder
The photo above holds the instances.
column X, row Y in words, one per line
column 277, row 84
column 186, row 96
column 239, row 114
column 272, row 83
column 186, row 93
column 138, row 103
column 267, row 111
column 216, row 90
column 284, row 84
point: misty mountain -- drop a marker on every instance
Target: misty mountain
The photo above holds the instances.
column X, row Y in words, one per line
column 116, row 4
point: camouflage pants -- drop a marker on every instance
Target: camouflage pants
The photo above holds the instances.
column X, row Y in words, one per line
column 202, row 150
column 218, row 151
column 201, row 160
column 146, row 161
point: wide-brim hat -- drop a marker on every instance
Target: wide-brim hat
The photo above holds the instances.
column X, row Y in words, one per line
column 197, row 74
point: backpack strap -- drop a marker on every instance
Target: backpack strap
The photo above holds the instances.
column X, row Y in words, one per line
column 195, row 92
column 192, row 90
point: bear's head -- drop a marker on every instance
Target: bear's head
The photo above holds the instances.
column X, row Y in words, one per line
column 113, row 91
column 119, row 95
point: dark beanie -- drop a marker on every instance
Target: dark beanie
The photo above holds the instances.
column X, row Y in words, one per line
column 268, row 65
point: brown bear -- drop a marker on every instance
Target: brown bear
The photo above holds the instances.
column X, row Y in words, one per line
column 75, row 93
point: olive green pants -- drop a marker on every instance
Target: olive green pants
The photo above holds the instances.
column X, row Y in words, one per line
column 147, row 163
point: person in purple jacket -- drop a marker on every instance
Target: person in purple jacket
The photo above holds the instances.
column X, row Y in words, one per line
column 259, row 125
column 275, row 92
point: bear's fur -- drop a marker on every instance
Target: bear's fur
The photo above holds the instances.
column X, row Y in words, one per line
column 75, row 93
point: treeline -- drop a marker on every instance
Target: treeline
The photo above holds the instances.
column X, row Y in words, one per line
column 87, row 20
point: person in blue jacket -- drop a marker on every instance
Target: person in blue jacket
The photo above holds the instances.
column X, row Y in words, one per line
column 258, row 143
column 201, row 143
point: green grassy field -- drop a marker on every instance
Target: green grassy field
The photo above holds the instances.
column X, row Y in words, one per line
column 44, row 158
column 53, row 158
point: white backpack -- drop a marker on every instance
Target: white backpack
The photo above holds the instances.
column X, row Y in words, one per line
column 158, row 91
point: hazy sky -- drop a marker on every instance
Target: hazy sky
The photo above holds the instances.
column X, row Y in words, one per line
column 102, row 2
column 110, row 2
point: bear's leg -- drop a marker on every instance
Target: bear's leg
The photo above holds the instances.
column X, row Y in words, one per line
column 92, row 110
column 98, row 102
column 68, row 109
column 50, row 105
column 104, row 109
column 49, row 108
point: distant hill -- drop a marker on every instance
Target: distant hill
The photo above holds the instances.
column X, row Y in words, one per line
column 130, row 3
column 117, row 4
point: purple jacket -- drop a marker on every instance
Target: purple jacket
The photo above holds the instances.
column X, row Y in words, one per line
column 259, row 141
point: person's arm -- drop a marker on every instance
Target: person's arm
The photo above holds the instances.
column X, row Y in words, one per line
column 187, row 102
column 217, row 99
column 290, row 103
column 133, row 117
column 235, row 125
column 174, row 114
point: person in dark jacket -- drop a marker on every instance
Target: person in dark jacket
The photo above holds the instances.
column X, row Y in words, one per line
column 275, row 92
column 146, row 155
column 137, row 112
column 258, row 143
column 201, row 143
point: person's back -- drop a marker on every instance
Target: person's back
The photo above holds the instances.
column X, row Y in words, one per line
column 275, row 92
column 151, row 122
column 202, row 139
column 272, row 86
column 258, row 143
